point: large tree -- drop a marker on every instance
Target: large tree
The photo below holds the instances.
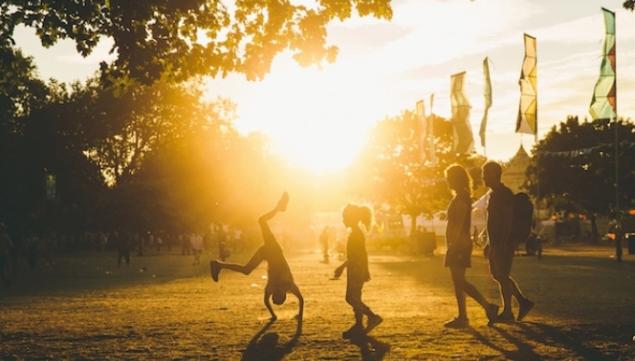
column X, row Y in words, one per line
column 124, row 124
column 182, row 38
column 390, row 171
column 575, row 162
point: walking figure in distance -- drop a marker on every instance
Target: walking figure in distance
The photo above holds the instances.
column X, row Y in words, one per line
column 502, row 246
column 357, row 273
column 279, row 280
column 324, row 243
column 459, row 245
column 122, row 240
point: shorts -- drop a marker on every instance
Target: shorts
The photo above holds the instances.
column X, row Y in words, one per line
column 458, row 258
column 354, row 291
column 500, row 262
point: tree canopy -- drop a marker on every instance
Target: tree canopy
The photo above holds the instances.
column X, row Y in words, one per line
column 390, row 171
column 184, row 38
column 575, row 162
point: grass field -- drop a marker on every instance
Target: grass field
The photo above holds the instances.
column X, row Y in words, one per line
column 84, row 307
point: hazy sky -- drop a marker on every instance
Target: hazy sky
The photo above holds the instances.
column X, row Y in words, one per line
column 319, row 115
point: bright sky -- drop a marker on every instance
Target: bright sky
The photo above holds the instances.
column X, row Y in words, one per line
column 318, row 117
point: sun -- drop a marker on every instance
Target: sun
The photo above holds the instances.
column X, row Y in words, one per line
column 310, row 115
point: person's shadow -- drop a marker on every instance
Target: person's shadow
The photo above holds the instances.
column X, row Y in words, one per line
column 265, row 346
column 370, row 348
column 537, row 333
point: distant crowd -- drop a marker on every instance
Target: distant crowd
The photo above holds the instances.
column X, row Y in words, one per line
column 34, row 250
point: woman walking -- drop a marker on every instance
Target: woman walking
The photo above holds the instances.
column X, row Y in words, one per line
column 459, row 245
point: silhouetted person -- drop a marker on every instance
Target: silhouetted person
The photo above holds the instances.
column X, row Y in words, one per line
column 459, row 245
column 357, row 273
column 139, row 241
column 196, row 244
column 279, row 277
column 615, row 227
column 186, row 248
column 159, row 241
column 500, row 213
column 324, row 243
column 123, row 247
column 223, row 252
column 5, row 250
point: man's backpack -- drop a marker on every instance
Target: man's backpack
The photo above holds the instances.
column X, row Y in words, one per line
column 523, row 218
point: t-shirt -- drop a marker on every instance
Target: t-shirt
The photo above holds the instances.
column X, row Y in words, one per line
column 357, row 257
column 499, row 215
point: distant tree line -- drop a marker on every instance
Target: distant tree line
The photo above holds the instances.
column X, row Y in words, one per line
column 137, row 157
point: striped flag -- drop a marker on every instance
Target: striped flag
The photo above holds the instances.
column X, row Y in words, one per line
column 463, row 138
column 527, row 121
column 604, row 102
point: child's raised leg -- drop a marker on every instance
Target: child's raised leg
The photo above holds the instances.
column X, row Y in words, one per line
column 256, row 259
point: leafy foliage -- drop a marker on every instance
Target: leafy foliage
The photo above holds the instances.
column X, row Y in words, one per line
column 585, row 177
column 390, row 170
column 183, row 38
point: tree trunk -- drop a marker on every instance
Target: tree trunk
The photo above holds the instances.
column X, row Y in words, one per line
column 413, row 224
column 594, row 228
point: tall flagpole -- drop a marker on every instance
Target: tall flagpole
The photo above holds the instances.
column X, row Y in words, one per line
column 536, row 142
column 604, row 106
column 617, row 144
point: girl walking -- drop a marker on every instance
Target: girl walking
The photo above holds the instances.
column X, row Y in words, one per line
column 357, row 273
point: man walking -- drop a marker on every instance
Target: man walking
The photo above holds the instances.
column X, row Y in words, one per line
column 500, row 215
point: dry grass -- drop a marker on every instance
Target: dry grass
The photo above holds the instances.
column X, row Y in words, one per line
column 172, row 310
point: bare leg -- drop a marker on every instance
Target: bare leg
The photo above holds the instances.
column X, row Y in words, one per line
column 354, row 298
column 506, row 294
column 281, row 206
column 246, row 269
column 458, row 278
column 470, row 290
column 515, row 290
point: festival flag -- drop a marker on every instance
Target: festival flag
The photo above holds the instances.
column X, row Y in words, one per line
column 487, row 93
column 604, row 102
column 431, row 129
column 527, row 121
column 463, row 138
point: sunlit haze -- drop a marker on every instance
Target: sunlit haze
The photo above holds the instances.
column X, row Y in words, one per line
column 317, row 117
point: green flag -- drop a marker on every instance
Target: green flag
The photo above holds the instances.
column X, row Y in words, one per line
column 463, row 138
column 604, row 102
